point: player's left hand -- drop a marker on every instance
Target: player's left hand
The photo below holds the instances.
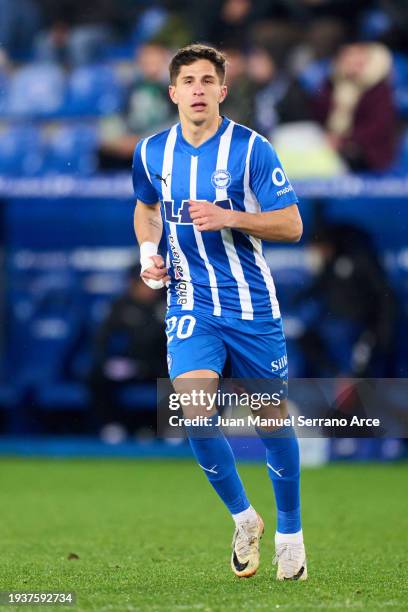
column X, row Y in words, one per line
column 207, row 217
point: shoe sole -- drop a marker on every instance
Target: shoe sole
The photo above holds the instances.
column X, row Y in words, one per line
column 248, row 573
column 301, row 575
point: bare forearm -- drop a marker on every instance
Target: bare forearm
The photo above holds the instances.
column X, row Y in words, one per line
column 148, row 223
column 283, row 225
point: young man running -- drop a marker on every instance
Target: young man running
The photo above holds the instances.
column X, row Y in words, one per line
column 220, row 190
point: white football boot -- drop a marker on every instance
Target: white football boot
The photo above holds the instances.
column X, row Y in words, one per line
column 290, row 557
column 245, row 548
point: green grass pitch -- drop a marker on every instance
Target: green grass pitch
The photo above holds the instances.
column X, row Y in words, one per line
column 151, row 535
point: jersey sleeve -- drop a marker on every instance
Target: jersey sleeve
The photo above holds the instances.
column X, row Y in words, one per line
column 268, row 180
column 142, row 187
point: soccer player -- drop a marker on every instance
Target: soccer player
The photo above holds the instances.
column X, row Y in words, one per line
column 219, row 189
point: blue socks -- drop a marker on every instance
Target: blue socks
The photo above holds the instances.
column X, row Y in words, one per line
column 215, row 457
column 283, row 462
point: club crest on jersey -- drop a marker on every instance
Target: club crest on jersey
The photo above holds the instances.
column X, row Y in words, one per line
column 221, row 179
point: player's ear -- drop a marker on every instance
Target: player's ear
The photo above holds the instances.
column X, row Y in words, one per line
column 224, row 92
column 173, row 94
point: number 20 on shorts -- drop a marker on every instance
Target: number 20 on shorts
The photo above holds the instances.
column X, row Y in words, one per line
column 182, row 327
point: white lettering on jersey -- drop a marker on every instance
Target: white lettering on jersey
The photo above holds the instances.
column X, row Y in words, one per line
column 184, row 286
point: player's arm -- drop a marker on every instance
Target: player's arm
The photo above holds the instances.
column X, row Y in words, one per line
column 278, row 218
column 148, row 225
column 282, row 225
column 147, row 221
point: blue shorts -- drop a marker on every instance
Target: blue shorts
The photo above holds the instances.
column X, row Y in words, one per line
column 252, row 348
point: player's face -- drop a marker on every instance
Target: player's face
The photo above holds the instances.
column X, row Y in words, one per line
column 198, row 92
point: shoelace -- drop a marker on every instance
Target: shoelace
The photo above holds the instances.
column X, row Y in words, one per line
column 244, row 540
column 287, row 553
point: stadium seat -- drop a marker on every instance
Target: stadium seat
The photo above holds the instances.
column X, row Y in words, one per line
column 71, row 149
column 36, row 90
column 62, row 396
column 94, row 90
column 47, row 332
column 400, row 165
column 400, row 82
column 21, row 151
column 150, row 22
column 138, row 396
column 4, row 87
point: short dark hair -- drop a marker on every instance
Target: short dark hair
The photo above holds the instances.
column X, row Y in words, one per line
column 190, row 54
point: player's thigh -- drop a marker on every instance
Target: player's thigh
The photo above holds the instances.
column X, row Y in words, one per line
column 257, row 349
column 198, row 388
column 196, row 356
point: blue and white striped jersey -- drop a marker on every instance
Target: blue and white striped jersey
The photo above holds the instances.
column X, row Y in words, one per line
column 223, row 273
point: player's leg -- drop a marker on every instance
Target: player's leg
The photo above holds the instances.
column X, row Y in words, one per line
column 258, row 352
column 283, row 464
column 195, row 364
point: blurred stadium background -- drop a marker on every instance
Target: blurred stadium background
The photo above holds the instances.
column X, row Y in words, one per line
column 79, row 85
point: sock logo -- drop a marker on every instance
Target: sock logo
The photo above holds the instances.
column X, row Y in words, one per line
column 276, row 471
column 211, row 470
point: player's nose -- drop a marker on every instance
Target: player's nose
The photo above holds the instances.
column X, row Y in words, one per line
column 198, row 90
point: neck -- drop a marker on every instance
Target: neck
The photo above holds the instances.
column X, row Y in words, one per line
column 197, row 134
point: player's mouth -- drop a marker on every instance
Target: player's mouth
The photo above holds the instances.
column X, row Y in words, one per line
column 199, row 106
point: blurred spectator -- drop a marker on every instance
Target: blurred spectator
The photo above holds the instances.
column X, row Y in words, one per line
column 357, row 109
column 348, row 12
column 278, row 36
column 238, row 104
column 312, row 58
column 129, row 348
column 78, row 34
column 20, row 21
column 232, row 24
column 349, row 311
column 148, row 109
column 278, row 98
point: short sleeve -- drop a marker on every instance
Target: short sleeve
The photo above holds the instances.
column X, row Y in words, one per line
column 268, row 180
column 144, row 190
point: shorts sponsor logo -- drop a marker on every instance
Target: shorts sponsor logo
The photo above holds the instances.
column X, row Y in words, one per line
column 221, row 179
column 169, row 361
column 280, row 365
column 284, row 190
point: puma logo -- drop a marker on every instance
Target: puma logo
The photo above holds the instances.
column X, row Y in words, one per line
column 162, row 179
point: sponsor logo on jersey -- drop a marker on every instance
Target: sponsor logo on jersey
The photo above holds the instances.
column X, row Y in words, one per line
column 181, row 285
column 278, row 177
column 161, row 178
column 281, row 192
column 221, row 179
column 169, row 361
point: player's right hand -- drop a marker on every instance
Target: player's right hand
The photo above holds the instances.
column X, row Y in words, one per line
column 154, row 272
